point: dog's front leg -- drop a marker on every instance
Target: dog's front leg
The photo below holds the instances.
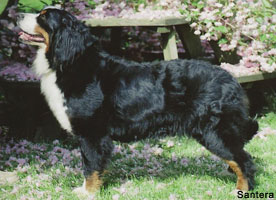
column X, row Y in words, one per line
column 95, row 154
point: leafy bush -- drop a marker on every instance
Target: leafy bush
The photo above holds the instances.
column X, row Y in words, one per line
column 34, row 5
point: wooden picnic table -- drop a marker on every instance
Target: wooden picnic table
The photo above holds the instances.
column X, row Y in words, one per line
column 168, row 27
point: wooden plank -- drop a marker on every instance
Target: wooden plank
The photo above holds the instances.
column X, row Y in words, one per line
column 114, row 21
column 164, row 29
column 169, row 45
column 256, row 77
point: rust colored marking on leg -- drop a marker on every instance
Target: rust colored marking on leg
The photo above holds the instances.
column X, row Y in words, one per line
column 93, row 182
column 242, row 182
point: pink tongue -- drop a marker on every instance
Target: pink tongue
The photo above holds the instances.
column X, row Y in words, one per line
column 25, row 36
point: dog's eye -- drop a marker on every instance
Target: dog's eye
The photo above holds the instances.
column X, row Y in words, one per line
column 42, row 16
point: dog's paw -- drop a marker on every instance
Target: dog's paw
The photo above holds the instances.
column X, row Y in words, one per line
column 237, row 192
column 234, row 192
column 82, row 193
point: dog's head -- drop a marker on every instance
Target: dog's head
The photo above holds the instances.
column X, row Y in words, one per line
column 60, row 33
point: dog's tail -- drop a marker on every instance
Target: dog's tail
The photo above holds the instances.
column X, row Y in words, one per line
column 251, row 129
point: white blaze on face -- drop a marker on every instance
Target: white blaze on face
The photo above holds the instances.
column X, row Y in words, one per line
column 28, row 23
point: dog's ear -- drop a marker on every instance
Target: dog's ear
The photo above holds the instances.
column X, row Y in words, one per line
column 68, row 44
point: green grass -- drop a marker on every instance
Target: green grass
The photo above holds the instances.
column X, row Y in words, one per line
column 140, row 171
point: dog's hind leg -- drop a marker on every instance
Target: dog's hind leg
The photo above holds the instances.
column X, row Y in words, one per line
column 239, row 160
column 95, row 155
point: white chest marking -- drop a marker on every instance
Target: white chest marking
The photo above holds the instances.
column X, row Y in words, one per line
column 51, row 91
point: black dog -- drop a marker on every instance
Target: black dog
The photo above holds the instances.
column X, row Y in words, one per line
column 101, row 98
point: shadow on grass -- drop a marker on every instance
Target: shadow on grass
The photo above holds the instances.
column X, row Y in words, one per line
column 199, row 166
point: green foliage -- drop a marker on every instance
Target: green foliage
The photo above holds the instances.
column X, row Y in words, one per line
column 223, row 41
column 222, row 29
column 34, row 5
column 3, row 5
column 92, row 3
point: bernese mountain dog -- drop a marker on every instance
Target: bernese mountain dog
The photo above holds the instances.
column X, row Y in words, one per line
column 100, row 98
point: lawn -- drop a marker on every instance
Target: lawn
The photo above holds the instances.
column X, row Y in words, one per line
column 165, row 168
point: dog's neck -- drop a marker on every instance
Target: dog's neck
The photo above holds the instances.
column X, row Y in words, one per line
column 41, row 63
column 51, row 91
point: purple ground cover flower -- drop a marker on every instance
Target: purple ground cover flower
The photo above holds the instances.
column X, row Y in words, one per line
column 17, row 72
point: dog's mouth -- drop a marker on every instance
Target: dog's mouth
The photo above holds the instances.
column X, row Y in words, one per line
column 30, row 37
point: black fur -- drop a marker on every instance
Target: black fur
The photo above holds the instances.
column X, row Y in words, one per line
column 110, row 98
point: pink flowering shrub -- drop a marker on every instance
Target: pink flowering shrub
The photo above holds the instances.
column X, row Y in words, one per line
column 130, row 9
column 246, row 26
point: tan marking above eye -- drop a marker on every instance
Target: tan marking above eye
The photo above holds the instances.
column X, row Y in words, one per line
column 43, row 12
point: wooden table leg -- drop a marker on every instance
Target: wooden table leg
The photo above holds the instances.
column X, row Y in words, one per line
column 168, row 42
column 190, row 41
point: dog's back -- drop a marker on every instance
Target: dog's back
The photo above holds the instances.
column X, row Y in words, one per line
column 172, row 96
